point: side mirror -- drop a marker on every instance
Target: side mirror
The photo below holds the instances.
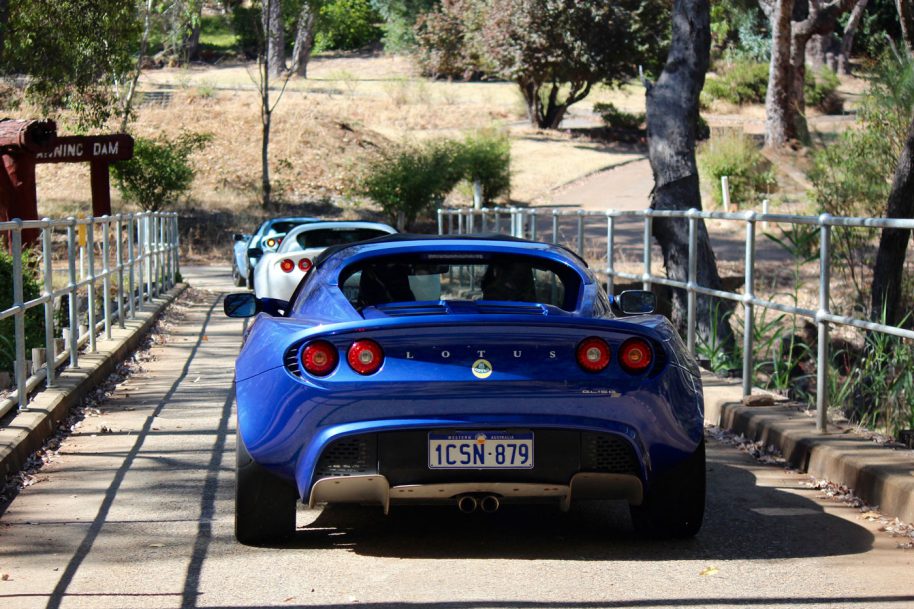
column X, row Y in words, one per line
column 240, row 305
column 237, row 237
column 637, row 302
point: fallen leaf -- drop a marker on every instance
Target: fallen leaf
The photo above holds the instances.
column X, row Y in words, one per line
column 157, row 545
column 709, row 571
column 5, row 577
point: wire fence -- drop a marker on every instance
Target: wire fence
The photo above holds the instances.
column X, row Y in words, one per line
column 86, row 274
column 539, row 223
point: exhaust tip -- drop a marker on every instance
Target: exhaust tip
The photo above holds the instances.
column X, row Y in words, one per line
column 467, row 504
column 489, row 504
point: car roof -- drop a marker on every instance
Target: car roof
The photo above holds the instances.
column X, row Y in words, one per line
column 304, row 219
column 473, row 240
column 304, row 228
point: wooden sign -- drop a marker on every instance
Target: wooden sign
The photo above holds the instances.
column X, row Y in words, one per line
column 82, row 148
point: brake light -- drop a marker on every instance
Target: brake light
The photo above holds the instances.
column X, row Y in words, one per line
column 365, row 356
column 319, row 358
column 304, row 264
column 635, row 355
column 593, row 354
column 287, row 266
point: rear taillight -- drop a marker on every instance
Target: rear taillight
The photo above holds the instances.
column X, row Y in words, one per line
column 319, row 358
column 287, row 266
column 593, row 354
column 304, row 264
column 635, row 355
column 365, row 356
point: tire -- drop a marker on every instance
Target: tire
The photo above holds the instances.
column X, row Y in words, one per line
column 264, row 503
column 674, row 505
column 237, row 279
column 251, row 279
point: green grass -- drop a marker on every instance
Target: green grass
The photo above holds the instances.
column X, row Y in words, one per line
column 217, row 34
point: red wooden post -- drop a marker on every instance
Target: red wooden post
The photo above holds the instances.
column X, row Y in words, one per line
column 18, row 141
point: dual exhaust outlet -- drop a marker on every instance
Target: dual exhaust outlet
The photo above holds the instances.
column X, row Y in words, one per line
column 470, row 503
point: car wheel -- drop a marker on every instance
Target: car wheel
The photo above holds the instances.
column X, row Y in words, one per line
column 251, row 279
column 264, row 503
column 237, row 279
column 674, row 505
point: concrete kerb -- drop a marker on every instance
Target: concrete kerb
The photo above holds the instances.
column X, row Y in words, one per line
column 31, row 427
column 878, row 475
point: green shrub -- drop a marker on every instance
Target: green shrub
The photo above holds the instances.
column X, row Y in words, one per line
column 486, row 157
column 245, row 22
column 821, row 91
column 34, row 317
column 346, row 25
column 618, row 119
column 406, row 181
column 160, row 170
column 743, row 82
column 735, row 155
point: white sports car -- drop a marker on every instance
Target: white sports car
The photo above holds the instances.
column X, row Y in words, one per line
column 278, row 273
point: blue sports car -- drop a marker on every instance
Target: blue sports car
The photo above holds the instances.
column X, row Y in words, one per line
column 478, row 371
column 248, row 249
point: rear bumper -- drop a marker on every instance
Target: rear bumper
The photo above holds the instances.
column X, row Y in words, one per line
column 377, row 490
column 392, row 467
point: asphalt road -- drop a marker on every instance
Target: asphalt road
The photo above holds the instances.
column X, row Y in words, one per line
column 141, row 516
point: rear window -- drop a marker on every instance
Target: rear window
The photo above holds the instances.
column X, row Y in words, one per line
column 325, row 237
column 460, row 277
column 281, row 228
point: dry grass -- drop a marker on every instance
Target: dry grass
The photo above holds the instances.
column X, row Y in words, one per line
column 325, row 126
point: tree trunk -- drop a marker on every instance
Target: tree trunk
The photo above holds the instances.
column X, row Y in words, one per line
column 672, row 116
column 850, row 30
column 127, row 106
column 816, row 49
column 779, row 117
column 906, row 16
column 273, row 33
column 893, row 244
column 304, row 40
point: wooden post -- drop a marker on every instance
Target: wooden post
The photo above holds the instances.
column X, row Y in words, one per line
column 101, row 188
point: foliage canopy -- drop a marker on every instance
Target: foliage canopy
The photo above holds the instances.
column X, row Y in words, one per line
column 555, row 50
column 160, row 170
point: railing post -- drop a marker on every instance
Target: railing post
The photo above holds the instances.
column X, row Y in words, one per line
column 50, row 344
column 176, row 239
column 648, row 228
column 581, row 233
column 748, row 307
column 497, row 222
column 90, row 247
column 822, row 363
column 532, row 215
column 106, row 282
column 119, row 261
column 440, row 221
column 19, row 315
column 555, row 226
column 610, row 248
column 461, row 222
column 74, row 310
column 147, row 254
column 131, row 227
column 483, row 219
column 691, row 295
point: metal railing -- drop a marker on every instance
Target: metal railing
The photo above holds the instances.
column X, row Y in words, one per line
column 129, row 258
column 524, row 223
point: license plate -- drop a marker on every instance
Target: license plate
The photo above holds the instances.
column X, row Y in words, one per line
column 480, row 450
